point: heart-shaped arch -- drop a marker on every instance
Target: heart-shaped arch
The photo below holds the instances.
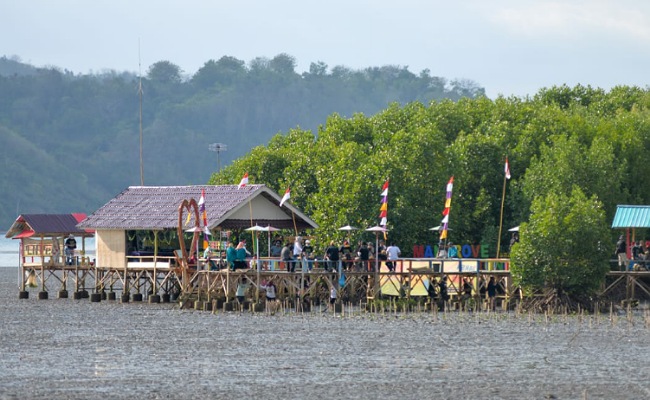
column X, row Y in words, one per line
column 191, row 207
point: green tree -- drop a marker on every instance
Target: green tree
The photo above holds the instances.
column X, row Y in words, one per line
column 164, row 72
column 564, row 247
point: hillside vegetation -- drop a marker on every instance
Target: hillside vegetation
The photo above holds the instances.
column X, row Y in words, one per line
column 71, row 142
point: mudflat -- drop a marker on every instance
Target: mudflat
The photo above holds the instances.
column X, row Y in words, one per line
column 75, row 349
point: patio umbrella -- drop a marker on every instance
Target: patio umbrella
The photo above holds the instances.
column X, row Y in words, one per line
column 349, row 229
column 270, row 229
column 377, row 229
column 438, row 228
column 205, row 231
column 256, row 229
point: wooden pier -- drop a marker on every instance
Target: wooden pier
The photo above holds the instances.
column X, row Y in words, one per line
column 215, row 289
column 163, row 281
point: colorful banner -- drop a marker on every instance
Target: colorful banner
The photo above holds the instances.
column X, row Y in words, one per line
column 445, row 212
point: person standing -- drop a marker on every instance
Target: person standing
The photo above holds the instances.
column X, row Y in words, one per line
column 467, row 292
column 621, row 252
column 231, row 255
column 452, row 251
column 285, row 255
column 346, row 254
column 332, row 256
column 240, row 260
column 492, row 293
column 514, row 240
column 307, row 255
column 271, row 300
column 392, row 252
column 276, row 249
column 242, row 288
column 637, row 250
column 364, row 256
column 70, row 246
column 381, row 252
column 333, row 295
column 442, row 250
column 442, row 291
column 297, row 252
column 207, row 257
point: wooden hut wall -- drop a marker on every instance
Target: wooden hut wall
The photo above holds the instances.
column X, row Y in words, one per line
column 111, row 248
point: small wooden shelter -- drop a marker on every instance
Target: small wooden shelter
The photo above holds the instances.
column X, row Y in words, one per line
column 631, row 217
column 141, row 222
column 42, row 239
column 42, row 235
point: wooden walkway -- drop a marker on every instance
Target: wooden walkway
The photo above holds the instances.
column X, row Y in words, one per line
column 358, row 285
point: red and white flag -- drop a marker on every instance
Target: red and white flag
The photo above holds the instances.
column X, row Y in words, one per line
column 244, row 181
column 286, row 196
column 507, row 169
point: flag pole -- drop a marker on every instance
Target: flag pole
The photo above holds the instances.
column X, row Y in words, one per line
column 250, row 207
column 503, row 198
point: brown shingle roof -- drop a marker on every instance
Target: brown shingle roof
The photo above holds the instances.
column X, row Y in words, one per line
column 156, row 207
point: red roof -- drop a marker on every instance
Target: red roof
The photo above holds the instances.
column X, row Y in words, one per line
column 47, row 225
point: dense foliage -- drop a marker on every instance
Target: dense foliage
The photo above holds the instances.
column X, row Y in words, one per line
column 582, row 146
column 71, row 142
column 562, row 246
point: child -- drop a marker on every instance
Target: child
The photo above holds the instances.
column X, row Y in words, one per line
column 333, row 294
column 241, row 291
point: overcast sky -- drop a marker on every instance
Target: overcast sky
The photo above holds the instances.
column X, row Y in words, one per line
column 509, row 47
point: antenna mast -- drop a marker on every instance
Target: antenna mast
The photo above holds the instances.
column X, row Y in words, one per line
column 140, row 93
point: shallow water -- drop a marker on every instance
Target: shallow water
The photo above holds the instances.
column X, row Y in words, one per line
column 75, row 349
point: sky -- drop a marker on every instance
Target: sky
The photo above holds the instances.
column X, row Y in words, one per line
column 509, row 47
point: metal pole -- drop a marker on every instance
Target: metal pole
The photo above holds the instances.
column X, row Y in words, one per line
column 218, row 147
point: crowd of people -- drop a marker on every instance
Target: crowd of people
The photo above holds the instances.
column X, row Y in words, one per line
column 487, row 290
column 639, row 251
column 300, row 254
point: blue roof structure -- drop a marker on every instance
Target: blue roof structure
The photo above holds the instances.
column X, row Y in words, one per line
column 631, row 217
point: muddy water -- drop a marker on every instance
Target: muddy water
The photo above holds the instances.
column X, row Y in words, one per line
column 75, row 349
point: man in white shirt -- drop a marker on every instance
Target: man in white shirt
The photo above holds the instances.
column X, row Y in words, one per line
column 393, row 252
column 297, row 252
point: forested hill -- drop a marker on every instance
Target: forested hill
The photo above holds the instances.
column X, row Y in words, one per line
column 71, row 142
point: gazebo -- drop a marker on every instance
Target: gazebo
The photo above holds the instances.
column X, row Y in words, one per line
column 630, row 217
column 41, row 246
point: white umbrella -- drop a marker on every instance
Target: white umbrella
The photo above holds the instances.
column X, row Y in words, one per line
column 256, row 228
column 347, row 228
column 377, row 229
column 438, row 228
column 515, row 229
column 270, row 229
column 205, row 231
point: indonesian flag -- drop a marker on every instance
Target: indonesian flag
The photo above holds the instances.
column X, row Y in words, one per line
column 286, row 196
column 244, row 181
column 507, row 169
